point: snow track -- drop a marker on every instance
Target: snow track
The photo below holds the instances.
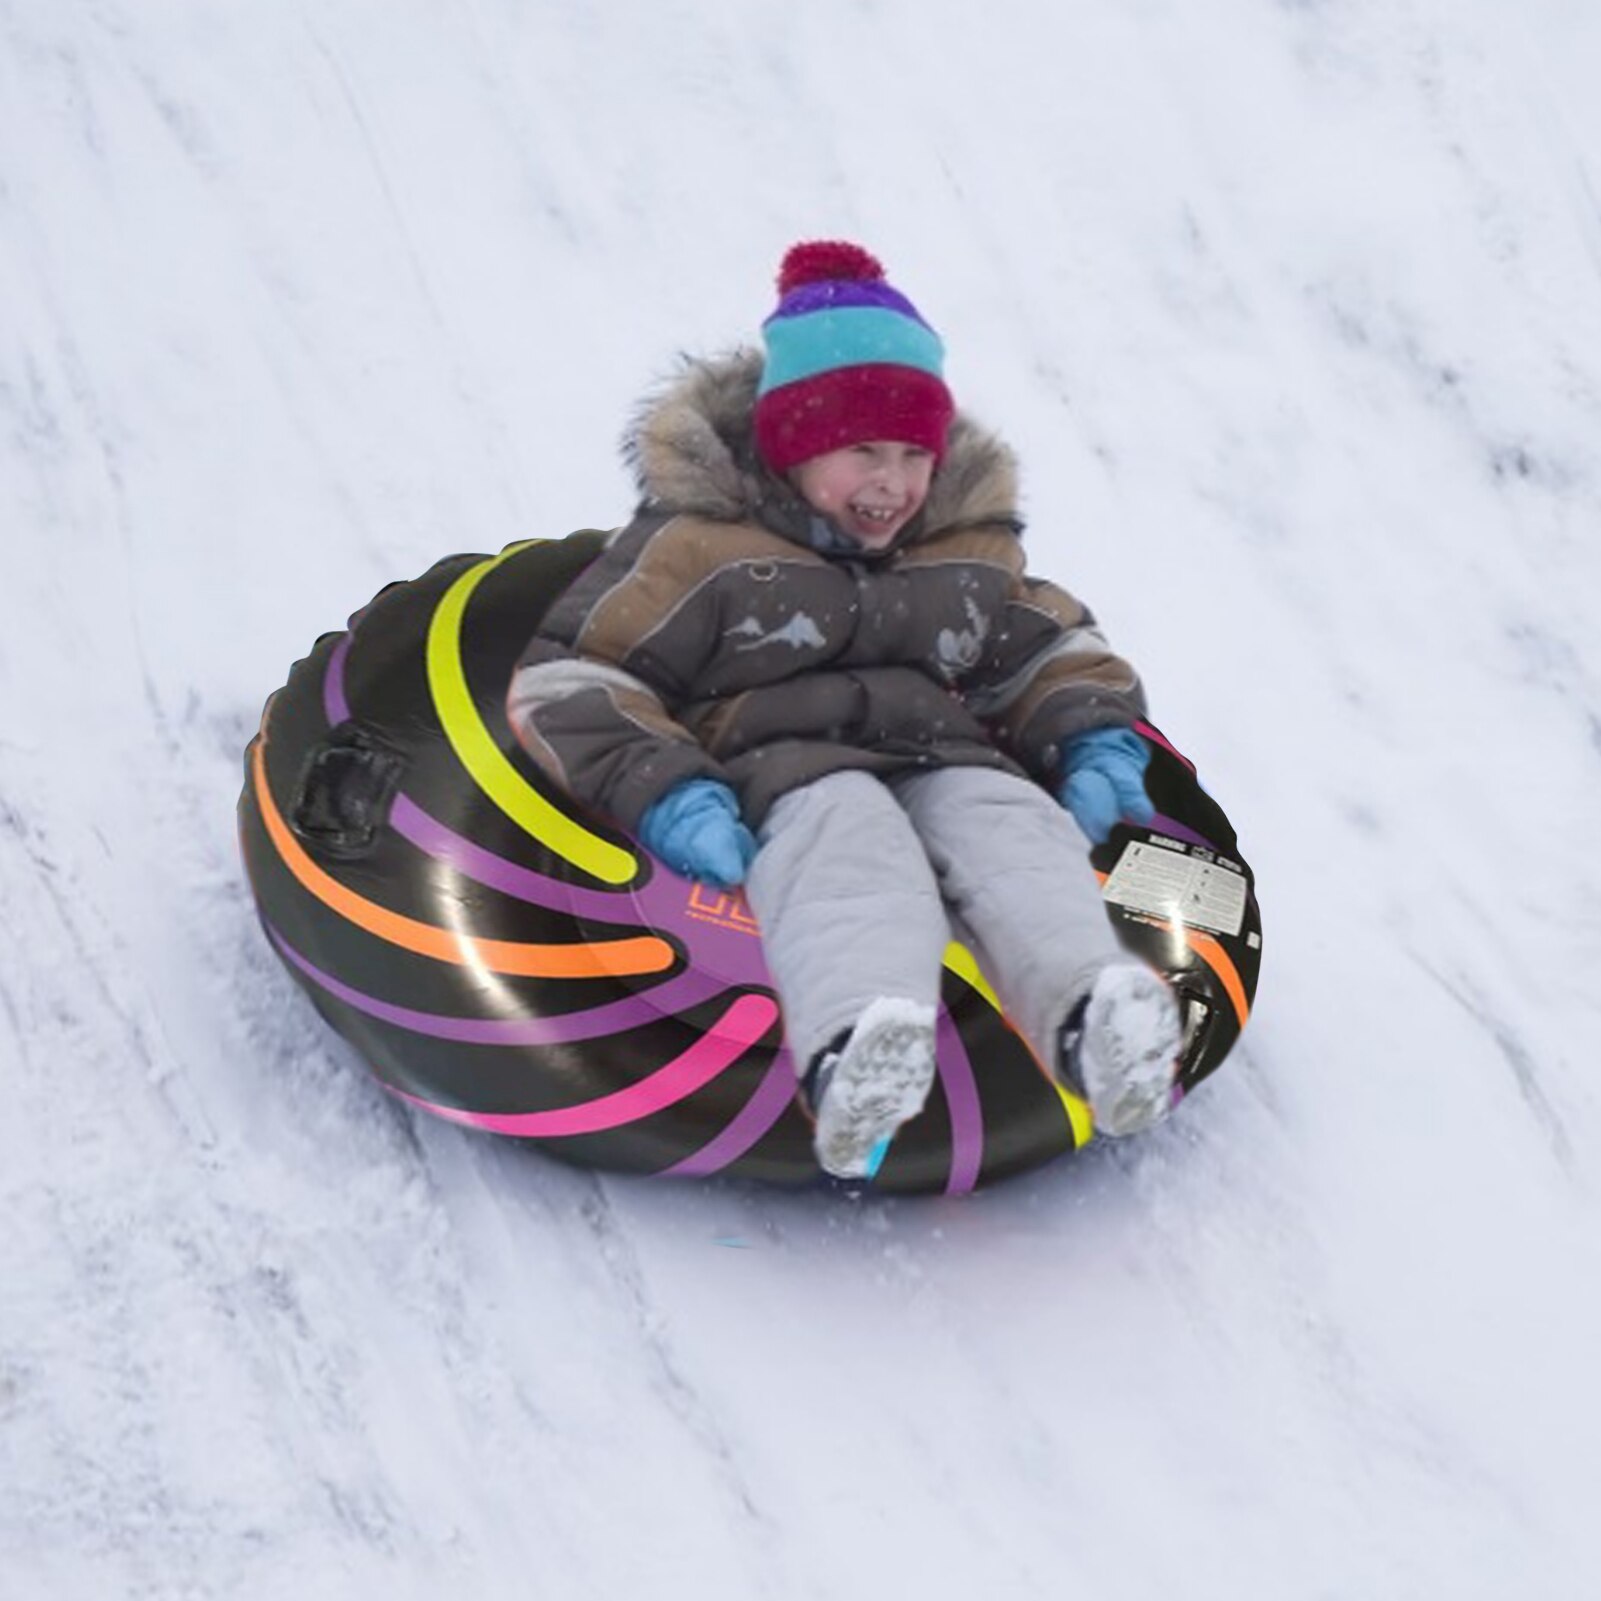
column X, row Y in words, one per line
column 1293, row 312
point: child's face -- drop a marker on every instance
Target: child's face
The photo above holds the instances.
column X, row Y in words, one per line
column 868, row 491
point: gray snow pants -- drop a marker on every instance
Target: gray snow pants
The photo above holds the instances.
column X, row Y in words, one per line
column 860, row 883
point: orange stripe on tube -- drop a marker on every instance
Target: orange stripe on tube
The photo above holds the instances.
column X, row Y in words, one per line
column 1221, row 963
column 1215, row 957
column 602, row 958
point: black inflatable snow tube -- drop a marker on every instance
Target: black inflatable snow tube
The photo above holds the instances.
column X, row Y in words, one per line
column 506, row 961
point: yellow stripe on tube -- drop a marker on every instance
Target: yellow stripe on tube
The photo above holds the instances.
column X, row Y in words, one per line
column 483, row 758
column 960, row 961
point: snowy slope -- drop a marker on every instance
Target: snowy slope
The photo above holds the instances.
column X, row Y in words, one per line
column 1294, row 311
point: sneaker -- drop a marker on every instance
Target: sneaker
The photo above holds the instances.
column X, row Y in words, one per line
column 867, row 1083
column 1120, row 1049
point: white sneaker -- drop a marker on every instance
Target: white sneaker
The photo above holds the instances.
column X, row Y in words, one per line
column 1120, row 1049
column 877, row 1081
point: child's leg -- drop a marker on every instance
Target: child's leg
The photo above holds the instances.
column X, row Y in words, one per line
column 849, row 908
column 1014, row 869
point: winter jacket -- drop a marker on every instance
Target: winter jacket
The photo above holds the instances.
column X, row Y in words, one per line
column 730, row 631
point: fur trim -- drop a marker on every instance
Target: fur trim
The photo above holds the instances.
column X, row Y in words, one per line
column 691, row 448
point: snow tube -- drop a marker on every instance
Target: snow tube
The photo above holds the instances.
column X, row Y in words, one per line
column 505, row 960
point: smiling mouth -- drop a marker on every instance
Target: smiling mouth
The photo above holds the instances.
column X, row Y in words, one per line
column 876, row 514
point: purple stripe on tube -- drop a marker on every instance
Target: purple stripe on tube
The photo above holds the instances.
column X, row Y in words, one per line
column 961, row 1098
column 769, row 1103
column 334, row 705
column 1175, row 830
column 483, row 866
column 690, row 988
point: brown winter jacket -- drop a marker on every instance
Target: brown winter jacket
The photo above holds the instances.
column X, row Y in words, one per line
column 730, row 632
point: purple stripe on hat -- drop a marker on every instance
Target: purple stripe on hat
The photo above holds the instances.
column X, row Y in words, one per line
column 837, row 292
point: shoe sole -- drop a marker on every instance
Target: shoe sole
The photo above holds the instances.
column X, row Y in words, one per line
column 879, row 1083
column 1129, row 1053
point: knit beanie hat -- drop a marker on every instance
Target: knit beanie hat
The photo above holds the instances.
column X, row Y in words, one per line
column 849, row 360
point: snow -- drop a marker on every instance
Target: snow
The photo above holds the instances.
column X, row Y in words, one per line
column 1293, row 311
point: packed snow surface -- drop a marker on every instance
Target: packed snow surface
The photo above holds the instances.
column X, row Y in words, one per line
column 1293, row 312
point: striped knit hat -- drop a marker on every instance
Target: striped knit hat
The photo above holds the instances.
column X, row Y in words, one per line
column 849, row 360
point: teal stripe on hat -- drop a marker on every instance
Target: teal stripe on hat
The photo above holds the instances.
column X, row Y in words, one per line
column 850, row 336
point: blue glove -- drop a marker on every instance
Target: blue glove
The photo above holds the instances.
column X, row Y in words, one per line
column 695, row 828
column 1104, row 780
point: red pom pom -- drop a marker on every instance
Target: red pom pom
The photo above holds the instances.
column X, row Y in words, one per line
column 824, row 261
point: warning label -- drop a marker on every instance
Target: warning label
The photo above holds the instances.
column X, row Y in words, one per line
column 1173, row 880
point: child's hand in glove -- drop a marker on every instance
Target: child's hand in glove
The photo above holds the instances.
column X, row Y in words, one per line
column 1104, row 780
column 696, row 829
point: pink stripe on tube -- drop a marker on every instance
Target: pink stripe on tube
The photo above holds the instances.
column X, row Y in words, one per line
column 1157, row 737
column 740, row 1027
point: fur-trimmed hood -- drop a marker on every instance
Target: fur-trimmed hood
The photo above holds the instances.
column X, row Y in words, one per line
column 721, row 634
column 691, row 448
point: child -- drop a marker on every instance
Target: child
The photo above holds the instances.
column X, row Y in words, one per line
column 813, row 663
